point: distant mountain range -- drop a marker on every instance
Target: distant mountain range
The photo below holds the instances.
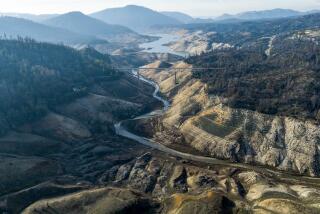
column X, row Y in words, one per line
column 265, row 14
column 82, row 24
column 114, row 25
column 32, row 17
column 181, row 17
column 250, row 15
column 75, row 29
column 135, row 17
column 14, row 27
column 141, row 18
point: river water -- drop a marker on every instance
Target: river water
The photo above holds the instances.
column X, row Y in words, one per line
column 158, row 46
column 122, row 131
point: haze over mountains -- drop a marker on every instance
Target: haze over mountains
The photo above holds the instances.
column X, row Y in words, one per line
column 32, row 17
column 13, row 27
column 75, row 29
column 134, row 17
column 265, row 14
column 79, row 23
column 181, row 17
column 139, row 18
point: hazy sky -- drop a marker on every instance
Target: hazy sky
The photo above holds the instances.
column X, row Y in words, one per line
column 193, row 7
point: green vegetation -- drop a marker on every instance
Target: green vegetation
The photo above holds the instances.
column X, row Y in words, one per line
column 35, row 77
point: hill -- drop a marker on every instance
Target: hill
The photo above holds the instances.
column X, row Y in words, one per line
column 271, row 69
column 13, row 27
column 134, row 17
column 54, row 101
column 79, row 23
column 181, row 17
column 37, row 76
column 187, row 19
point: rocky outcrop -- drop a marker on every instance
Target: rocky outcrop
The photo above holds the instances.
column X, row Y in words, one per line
column 215, row 129
column 269, row 197
column 251, row 137
column 178, row 179
column 207, row 202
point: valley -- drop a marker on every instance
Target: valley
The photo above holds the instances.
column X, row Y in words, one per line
column 120, row 119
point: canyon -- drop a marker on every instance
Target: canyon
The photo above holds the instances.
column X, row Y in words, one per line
column 200, row 121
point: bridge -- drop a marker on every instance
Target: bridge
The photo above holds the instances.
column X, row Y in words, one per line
column 202, row 71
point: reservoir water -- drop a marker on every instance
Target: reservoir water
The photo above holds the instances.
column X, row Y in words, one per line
column 158, row 46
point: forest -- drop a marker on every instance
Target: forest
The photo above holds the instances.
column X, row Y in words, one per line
column 287, row 82
column 35, row 77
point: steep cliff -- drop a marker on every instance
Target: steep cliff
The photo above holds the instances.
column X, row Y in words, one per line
column 236, row 134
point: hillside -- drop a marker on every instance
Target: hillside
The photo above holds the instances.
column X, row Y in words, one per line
column 57, row 114
column 13, row 27
column 79, row 23
column 35, row 77
column 181, row 17
column 205, row 37
column 134, row 17
column 272, row 69
column 237, row 33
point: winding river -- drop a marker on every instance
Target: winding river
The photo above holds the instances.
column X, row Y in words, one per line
column 122, row 131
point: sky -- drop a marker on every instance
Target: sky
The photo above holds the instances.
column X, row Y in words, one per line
column 198, row 8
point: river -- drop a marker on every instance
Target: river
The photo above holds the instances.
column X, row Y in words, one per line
column 122, row 131
column 159, row 46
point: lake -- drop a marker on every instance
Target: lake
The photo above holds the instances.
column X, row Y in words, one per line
column 158, row 46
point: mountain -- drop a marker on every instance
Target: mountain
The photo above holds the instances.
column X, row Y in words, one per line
column 32, row 17
column 79, row 23
column 225, row 16
column 134, row 17
column 269, row 14
column 13, row 27
column 312, row 11
column 186, row 19
column 181, row 17
column 265, row 14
